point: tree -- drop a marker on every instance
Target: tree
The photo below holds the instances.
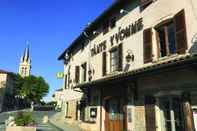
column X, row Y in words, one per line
column 32, row 88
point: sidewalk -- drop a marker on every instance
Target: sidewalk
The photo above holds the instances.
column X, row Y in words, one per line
column 59, row 121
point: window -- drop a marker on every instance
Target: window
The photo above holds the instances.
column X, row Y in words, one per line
column 113, row 23
column 171, row 114
column 145, row 3
column 105, row 27
column 171, row 37
column 166, row 38
column 84, row 71
column 116, row 58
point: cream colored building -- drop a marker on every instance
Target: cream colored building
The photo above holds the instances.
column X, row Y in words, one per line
column 58, row 97
column 136, row 65
column 6, row 86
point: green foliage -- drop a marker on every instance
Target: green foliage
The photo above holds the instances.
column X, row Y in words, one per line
column 24, row 119
column 32, row 87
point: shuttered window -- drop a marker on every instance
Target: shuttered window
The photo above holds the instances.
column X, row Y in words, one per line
column 77, row 74
column 180, row 32
column 147, row 37
column 116, row 60
column 150, row 113
column 104, row 62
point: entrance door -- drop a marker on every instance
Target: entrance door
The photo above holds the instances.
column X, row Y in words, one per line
column 114, row 116
column 171, row 114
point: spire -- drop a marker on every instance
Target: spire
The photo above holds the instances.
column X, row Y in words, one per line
column 26, row 54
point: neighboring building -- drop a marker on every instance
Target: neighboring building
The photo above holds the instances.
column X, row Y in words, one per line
column 136, row 64
column 58, row 97
column 25, row 64
column 6, row 88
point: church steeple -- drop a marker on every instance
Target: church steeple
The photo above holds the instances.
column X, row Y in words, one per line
column 25, row 63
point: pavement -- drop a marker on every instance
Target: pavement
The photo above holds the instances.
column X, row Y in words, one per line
column 59, row 121
column 38, row 117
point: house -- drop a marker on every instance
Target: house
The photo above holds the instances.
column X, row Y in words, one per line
column 58, row 97
column 136, row 66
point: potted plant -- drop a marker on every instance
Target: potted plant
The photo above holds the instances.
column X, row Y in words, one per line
column 23, row 122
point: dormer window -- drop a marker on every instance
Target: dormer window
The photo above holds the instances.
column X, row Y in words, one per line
column 105, row 27
column 145, row 3
column 113, row 22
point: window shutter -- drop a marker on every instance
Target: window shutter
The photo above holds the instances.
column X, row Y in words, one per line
column 188, row 114
column 180, row 32
column 65, row 86
column 120, row 57
column 145, row 2
column 147, row 36
column 77, row 71
column 150, row 114
column 85, row 71
column 104, row 59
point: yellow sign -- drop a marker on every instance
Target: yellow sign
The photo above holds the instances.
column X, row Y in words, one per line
column 60, row 75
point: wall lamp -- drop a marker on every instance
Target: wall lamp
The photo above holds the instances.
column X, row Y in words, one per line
column 66, row 56
column 122, row 11
column 130, row 56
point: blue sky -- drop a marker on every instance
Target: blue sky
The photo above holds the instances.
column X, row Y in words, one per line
column 49, row 25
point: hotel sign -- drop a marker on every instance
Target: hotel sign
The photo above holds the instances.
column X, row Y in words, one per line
column 123, row 33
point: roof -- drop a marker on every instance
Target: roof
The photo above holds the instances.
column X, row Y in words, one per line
column 3, row 71
column 171, row 62
column 115, row 7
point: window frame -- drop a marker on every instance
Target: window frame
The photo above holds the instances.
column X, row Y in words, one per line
column 164, row 26
column 114, row 50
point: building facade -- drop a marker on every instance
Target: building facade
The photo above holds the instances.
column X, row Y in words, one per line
column 58, row 97
column 25, row 64
column 136, row 66
column 6, row 88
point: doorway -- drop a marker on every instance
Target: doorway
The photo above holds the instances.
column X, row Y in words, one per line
column 171, row 114
column 114, row 115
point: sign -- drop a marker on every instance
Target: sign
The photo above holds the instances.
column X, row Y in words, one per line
column 60, row 75
column 127, row 31
column 118, row 37
column 99, row 48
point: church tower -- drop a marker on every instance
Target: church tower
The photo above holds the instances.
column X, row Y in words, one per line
column 25, row 64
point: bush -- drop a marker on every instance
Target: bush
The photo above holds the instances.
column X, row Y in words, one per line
column 24, row 119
